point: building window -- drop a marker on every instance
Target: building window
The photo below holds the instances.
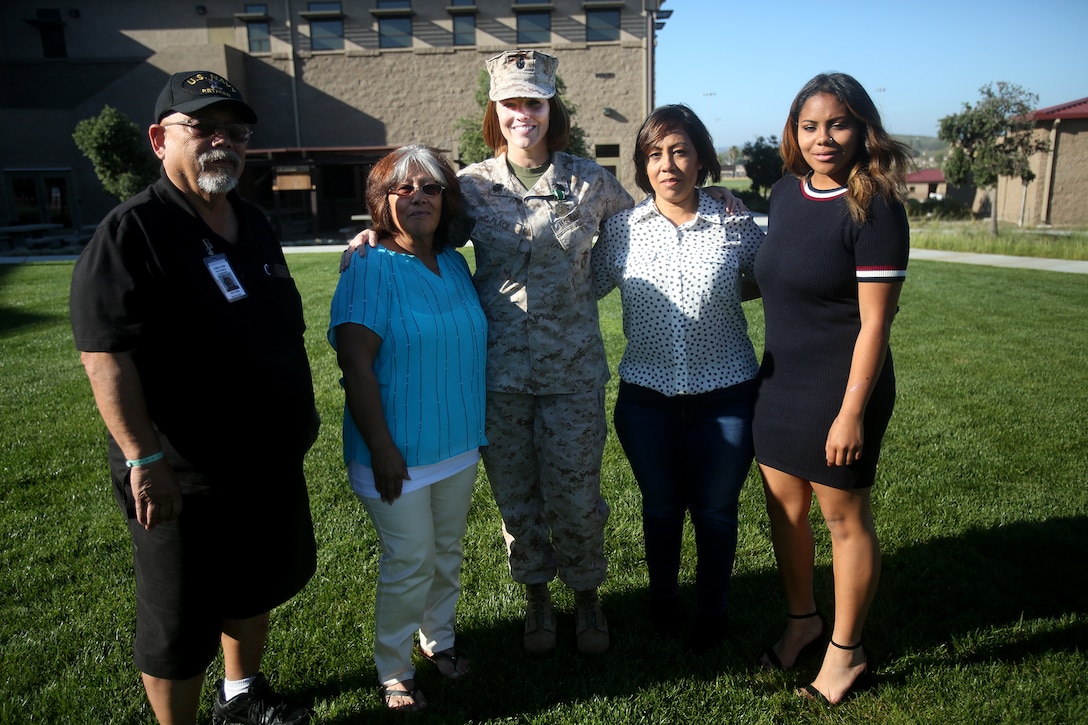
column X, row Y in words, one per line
column 395, row 32
column 602, row 25
column 608, row 156
column 260, row 37
column 464, row 30
column 51, row 28
column 257, row 28
column 394, row 23
column 326, row 26
column 534, row 27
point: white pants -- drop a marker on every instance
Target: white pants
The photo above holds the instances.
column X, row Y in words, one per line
column 419, row 573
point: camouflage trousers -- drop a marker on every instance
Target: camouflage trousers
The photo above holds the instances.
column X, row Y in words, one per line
column 544, row 464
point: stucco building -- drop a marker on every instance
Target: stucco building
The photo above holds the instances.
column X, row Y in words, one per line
column 336, row 84
column 926, row 184
column 1056, row 195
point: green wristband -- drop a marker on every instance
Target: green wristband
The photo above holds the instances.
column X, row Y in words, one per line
column 146, row 461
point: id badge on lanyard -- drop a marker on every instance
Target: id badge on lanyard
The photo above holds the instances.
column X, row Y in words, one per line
column 219, row 267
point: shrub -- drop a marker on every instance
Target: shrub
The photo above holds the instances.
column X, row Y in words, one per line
column 119, row 152
column 945, row 209
column 754, row 200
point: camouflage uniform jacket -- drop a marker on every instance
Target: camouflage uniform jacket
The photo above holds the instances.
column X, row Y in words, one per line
column 533, row 272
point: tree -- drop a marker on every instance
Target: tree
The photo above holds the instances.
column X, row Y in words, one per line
column 471, row 140
column 119, row 152
column 762, row 163
column 731, row 155
column 991, row 139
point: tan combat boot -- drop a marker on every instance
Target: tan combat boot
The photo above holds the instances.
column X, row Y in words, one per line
column 539, row 638
column 591, row 627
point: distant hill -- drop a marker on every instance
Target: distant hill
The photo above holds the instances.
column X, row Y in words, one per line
column 929, row 151
column 924, row 144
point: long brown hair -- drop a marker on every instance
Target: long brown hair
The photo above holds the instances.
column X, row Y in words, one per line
column 557, row 137
column 395, row 168
column 880, row 165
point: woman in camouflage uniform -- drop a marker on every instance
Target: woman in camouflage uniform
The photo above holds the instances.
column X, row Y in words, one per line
column 537, row 213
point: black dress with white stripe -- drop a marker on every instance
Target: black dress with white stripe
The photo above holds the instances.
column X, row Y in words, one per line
column 808, row 271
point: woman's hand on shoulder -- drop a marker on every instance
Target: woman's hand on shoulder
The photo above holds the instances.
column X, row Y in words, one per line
column 733, row 205
column 358, row 243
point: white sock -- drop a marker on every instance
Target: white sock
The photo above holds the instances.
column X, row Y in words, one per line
column 234, row 688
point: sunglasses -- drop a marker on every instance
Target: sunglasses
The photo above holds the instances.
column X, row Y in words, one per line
column 236, row 132
column 431, row 189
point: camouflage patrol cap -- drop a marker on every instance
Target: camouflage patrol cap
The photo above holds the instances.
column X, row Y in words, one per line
column 522, row 74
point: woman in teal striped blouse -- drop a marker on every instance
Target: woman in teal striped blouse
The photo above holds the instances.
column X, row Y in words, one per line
column 410, row 339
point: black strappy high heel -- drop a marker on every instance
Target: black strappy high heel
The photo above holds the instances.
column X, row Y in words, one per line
column 864, row 680
column 769, row 659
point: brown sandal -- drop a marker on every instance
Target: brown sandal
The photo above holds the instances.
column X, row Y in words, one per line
column 447, row 662
column 392, row 692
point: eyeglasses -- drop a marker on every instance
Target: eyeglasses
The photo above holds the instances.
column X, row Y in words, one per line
column 431, row 189
column 236, row 132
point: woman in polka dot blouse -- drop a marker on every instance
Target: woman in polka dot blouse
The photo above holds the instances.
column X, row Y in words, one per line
column 687, row 377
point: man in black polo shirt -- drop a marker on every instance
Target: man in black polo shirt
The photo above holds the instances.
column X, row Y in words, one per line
column 191, row 331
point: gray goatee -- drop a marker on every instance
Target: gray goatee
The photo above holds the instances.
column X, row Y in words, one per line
column 217, row 181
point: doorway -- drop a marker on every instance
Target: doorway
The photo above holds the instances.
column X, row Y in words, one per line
column 39, row 196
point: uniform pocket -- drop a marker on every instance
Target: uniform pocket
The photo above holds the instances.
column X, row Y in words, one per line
column 571, row 228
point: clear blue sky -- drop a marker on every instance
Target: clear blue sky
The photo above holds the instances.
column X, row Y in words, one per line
column 739, row 64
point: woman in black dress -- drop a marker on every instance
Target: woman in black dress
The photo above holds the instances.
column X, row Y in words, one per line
column 830, row 273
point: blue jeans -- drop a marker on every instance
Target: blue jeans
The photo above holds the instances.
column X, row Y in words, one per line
column 689, row 453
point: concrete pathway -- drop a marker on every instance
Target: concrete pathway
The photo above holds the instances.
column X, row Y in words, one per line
column 987, row 260
column 1002, row 260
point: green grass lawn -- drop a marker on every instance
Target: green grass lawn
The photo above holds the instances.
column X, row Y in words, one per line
column 981, row 506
